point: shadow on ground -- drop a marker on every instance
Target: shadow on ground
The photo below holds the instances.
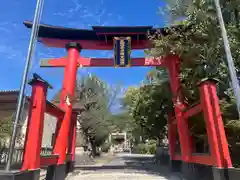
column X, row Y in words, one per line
column 140, row 164
column 83, row 159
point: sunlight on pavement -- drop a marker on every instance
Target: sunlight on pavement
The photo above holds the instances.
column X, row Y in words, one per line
column 125, row 166
column 117, row 176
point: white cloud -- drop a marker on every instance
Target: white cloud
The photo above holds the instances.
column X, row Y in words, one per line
column 85, row 16
column 9, row 52
column 10, row 45
column 5, row 30
column 6, row 27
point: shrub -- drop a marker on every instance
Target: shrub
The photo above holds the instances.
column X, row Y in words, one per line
column 105, row 147
column 145, row 148
column 152, row 149
column 152, row 142
column 140, row 149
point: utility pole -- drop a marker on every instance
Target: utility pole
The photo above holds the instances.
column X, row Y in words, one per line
column 231, row 66
column 31, row 47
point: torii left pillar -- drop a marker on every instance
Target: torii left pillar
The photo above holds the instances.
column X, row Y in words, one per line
column 61, row 143
column 30, row 169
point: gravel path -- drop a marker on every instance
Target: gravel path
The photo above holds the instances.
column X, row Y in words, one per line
column 125, row 167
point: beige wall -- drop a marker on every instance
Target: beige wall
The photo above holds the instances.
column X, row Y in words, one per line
column 48, row 130
column 8, row 111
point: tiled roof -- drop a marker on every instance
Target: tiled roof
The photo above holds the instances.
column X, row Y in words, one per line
column 9, row 91
column 8, row 101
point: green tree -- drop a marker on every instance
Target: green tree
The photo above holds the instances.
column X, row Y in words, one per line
column 150, row 103
column 97, row 98
column 195, row 36
column 120, row 122
column 199, row 43
column 5, row 127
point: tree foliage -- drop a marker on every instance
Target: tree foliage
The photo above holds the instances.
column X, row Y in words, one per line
column 5, row 127
column 121, row 122
column 149, row 103
column 196, row 37
column 193, row 34
column 199, row 43
column 97, row 99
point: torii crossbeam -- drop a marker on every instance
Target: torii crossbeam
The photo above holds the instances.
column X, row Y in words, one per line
column 100, row 62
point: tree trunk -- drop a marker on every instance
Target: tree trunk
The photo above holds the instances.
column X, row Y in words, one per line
column 94, row 148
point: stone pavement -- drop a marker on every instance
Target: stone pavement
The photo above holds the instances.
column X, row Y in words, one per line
column 119, row 176
column 125, row 167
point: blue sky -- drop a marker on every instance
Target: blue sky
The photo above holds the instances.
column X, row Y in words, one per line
column 14, row 37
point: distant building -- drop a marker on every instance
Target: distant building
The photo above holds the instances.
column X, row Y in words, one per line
column 123, row 143
column 8, row 105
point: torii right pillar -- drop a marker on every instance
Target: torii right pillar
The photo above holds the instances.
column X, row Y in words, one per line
column 217, row 164
column 217, row 139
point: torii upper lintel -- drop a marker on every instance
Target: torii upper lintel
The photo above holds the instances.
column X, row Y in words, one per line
column 97, row 38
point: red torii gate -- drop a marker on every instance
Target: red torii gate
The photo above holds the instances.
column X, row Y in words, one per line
column 101, row 38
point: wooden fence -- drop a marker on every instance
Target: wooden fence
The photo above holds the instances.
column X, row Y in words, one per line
column 17, row 154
